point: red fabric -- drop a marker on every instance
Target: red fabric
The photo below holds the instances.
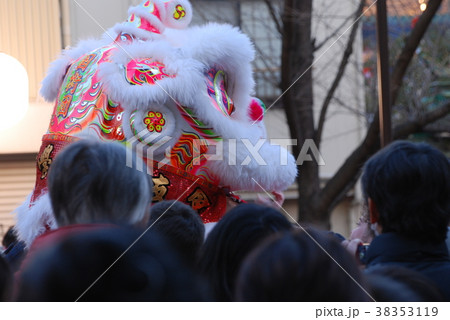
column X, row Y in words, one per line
column 52, row 144
column 171, row 183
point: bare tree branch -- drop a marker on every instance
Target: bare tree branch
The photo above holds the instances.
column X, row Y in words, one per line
column 338, row 186
column 342, row 66
column 411, row 44
column 275, row 17
column 332, row 35
column 403, row 130
column 269, row 65
column 353, row 109
column 348, row 173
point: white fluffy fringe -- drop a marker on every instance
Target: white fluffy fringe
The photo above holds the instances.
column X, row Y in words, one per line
column 31, row 221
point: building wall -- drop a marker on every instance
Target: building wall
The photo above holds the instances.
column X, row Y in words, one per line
column 17, row 177
column 30, row 31
column 87, row 18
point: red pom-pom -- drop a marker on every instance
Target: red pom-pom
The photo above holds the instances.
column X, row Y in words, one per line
column 256, row 111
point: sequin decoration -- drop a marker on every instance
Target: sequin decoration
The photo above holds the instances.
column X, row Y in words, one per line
column 145, row 71
column 142, row 133
column 83, row 105
column 217, row 91
column 189, row 116
column 205, row 174
column 179, row 12
column 78, row 72
column 108, row 123
column 141, row 23
column 125, row 37
column 151, row 8
column 136, row 132
column 52, row 144
column 186, row 185
column 198, row 200
column 160, row 184
column 189, row 152
column 154, row 121
column 45, row 160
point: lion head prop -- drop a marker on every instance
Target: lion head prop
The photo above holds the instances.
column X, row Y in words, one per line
column 181, row 96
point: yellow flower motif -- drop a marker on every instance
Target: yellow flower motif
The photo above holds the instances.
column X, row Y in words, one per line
column 179, row 12
column 155, row 121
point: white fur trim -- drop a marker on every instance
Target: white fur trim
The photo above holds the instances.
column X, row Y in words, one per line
column 272, row 175
column 182, row 88
column 224, row 46
column 189, row 86
column 31, row 221
column 57, row 70
column 55, row 76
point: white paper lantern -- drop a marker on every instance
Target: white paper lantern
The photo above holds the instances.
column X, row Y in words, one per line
column 13, row 91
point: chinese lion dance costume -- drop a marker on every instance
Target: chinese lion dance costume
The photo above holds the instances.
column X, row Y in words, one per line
column 159, row 86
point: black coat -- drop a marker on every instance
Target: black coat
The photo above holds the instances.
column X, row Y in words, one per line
column 431, row 260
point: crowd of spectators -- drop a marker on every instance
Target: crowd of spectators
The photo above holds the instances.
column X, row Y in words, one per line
column 111, row 244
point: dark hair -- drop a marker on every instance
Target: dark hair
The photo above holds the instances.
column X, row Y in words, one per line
column 15, row 254
column 410, row 186
column 293, row 267
column 9, row 237
column 6, row 278
column 386, row 289
column 146, row 270
column 182, row 226
column 90, row 182
column 234, row 236
column 414, row 286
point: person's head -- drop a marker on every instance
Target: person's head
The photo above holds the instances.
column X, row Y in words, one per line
column 90, row 182
column 9, row 237
column 182, row 226
column 234, row 236
column 110, row 264
column 393, row 283
column 6, row 278
column 407, row 187
column 293, row 267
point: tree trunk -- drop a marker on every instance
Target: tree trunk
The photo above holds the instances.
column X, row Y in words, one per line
column 296, row 82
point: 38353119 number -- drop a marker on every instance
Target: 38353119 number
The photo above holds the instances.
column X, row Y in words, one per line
column 407, row 311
